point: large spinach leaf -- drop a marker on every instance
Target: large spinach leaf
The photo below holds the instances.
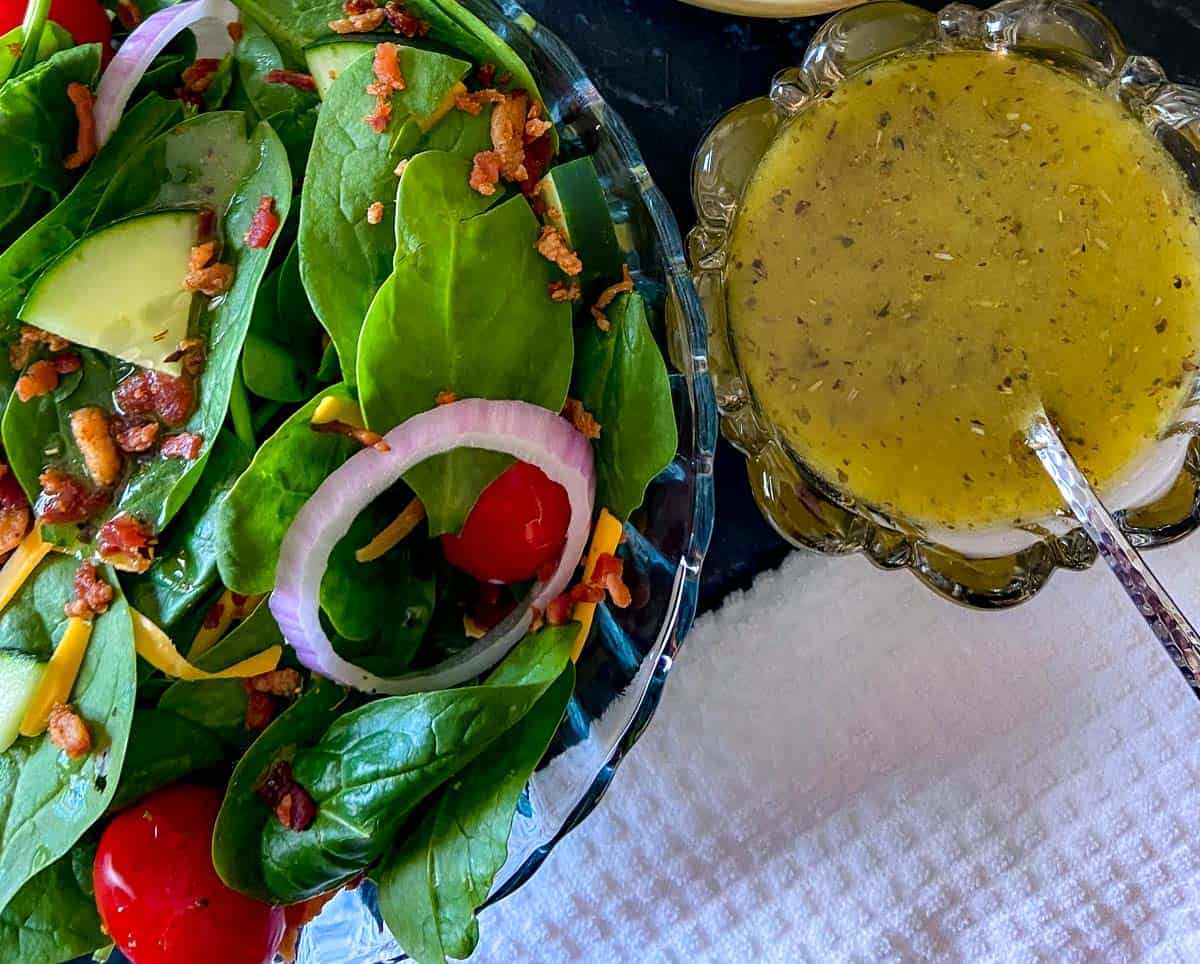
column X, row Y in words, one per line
column 377, row 763
column 47, row 802
column 622, row 380
column 219, row 705
column 53, row 916
column 466, row 310
column 185, row 564
column 163, row 748
column 256, row 514
column 207, row 160
column 45, row 240
column 343, row 258
column 237, row 837
column 435, row 880
column 37, row 119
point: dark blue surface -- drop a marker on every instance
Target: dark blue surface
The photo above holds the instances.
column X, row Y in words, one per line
column 671, row 70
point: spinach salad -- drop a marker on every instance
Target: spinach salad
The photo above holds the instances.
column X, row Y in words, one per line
column 325, row 393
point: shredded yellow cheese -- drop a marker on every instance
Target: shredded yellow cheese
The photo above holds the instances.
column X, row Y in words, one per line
column 156, row 648
column 393, row 533
column 334, row 409
column 24, row 559
column 605, row 539
column 59, row 678
column 228, row 609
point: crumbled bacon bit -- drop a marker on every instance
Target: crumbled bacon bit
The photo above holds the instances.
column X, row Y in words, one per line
column 206, row 276
column 68, row 732
column 212, row 618
column 404, row 23
column 352, row 7
column 537, row 159
column 126, row 543
column 564, row 291
column 504, row 78
column 206, row 227
column 445, row 397
column 92, row 594
column 558, row 612
column 608, row 574
column 260, row 710
column 508, row 136
column 263, row 224
column 66, row 499
column 134, row 434
column 388, row 79
column 585, row 423
column 85, row 140
column 379, row 117
column 364, row 437
column 607, row 296
column 190, row 354
column 66, row 363
column 199, row 76
column 235, row 31
column 375, row 212
column 551, row 246
column 535, row 128
column 293, row 805
column 150, row 392
column 91, row 430
column 486, row 74
column 363, row 22
column 293, row 78
column 485, row 172
column 14, row 511
column 277, row 682
column 40, row 378
column 472, row 102
column 185, row 445
column 129, row 14
column 20, row 352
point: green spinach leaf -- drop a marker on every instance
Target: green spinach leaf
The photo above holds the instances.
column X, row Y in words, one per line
column 377, row 763
column 47, row 802
column 344, row 259
column 53, row 916
column 185, row 563
column 237, row 837
column 434, row 881
column 255, row 515
column 296, row 128
column 256, row 56
column 163, row 748
column 53, row 38
column 37, row 119
column 23, row 261
column 621, row 378
column 466, row 310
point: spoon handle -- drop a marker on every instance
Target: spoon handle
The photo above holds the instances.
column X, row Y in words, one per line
column 1155, row 604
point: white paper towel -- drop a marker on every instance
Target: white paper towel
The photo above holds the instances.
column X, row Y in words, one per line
column 845, row 767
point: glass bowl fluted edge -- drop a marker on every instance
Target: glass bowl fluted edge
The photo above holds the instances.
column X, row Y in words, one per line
column 801, row 506
column 623, row 668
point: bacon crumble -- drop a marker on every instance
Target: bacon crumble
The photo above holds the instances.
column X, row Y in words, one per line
column 65, row 499
column 185, row 445
column 20, row 352
column 129, row 14
column 263, row 224
column 551, row 246
column 83, row 100
column 134, row 434
column 364, row 437
column 375, row 212
column 564, row 291
column 508, row 135
column 14, row 511
column 235, row 31
column 585, row 423
column 292, row 78
column 285, row 683
column 205, row 275
column 198, row 76
column 190, row 354
column 40, row 378
column 404, row 23
column 68, row 732
column 363, row 22
column 126, row 543
column 92, row 594
column 608, row 295
column 485, row 172
column 486, row 74
column 445, row 397
column 608, row 574
column 293, row 806
column 388, row 80
column 150, row 392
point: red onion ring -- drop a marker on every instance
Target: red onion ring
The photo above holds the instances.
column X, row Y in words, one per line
column 524, row 431
column 141, row 47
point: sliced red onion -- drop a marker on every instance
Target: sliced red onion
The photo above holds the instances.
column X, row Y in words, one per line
column 527, row 432
column 139, row 50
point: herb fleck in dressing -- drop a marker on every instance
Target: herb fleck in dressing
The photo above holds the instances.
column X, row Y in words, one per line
column 941, row 245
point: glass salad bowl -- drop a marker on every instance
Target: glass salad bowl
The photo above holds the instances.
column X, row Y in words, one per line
column 621, row 673
column 1157, row 497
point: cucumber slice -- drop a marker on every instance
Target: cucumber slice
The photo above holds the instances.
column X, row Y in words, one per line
column 575, row 204
column 20, row 674
column 429, row 73
column 120, row 290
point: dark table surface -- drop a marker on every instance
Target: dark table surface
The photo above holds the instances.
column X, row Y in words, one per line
column 671, row 70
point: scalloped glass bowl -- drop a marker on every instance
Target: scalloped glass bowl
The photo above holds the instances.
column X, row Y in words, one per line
column 624, row 666
column 988, row 569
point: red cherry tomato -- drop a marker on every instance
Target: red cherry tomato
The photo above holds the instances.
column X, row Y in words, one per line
column 85, row 20
column 518, row 526
column 158, row 895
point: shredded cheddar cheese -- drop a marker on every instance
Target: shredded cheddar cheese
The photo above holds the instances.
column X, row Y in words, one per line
column 25, row 558
column 605, row 538
column 333, row 409
column 157, row 649
column 59, row 678
column 393, row 533
column 227, row 609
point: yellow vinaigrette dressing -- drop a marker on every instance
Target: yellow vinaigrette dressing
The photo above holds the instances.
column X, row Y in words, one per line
column 946, row 242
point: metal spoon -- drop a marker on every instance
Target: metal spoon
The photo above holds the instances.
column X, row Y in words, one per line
column 1172, row 628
